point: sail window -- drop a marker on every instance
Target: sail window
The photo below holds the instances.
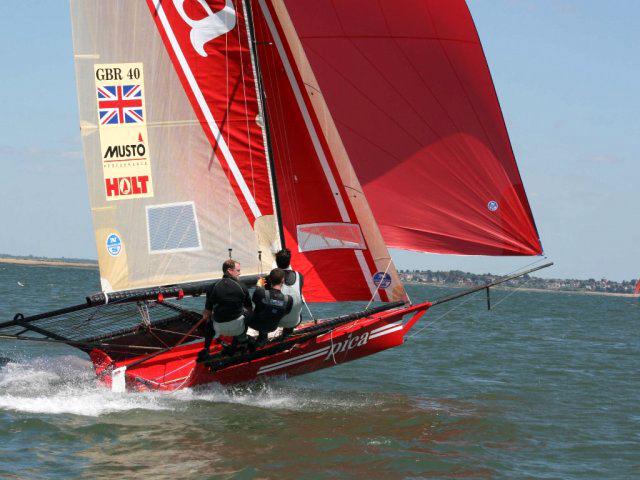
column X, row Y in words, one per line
column 173, row 228
column 325, row 236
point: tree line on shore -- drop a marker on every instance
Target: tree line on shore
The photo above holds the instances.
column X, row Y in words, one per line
column 457, row 278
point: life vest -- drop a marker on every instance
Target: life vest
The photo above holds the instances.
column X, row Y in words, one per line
column 292, row 319
column 273, row 309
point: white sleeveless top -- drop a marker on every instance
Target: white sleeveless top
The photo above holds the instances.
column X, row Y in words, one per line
column 292, row 319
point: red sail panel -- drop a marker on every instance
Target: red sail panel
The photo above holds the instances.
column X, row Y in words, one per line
column 320, row 224
column 208, row 44
column 410, row 91
column 636, row 291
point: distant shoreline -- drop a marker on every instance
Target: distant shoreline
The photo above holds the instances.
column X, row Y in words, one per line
column 47, row 263
column 34, row 262
column 524, row 289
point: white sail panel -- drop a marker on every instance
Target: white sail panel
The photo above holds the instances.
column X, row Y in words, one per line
column 164, row 211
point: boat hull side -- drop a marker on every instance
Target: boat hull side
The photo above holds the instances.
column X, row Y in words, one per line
column 178, row 368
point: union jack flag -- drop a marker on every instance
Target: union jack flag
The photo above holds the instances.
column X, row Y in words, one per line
column 120, row 104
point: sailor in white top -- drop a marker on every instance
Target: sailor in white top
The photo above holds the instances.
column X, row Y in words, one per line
column 292, row 286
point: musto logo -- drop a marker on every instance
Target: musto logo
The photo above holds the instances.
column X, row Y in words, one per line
column 349, row 344
column 125, row 151
column 123, row 186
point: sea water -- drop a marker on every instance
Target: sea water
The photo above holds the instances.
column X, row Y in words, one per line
column 543, row 386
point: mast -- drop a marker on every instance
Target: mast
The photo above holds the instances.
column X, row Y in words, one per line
column 262, row 106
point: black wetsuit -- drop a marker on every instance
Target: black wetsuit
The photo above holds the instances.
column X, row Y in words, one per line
column 228, row 299
column 270, row 307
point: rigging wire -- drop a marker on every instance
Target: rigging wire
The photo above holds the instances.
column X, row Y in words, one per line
column 304, row 302
column 474, row 296
column 512, row 292
column 471, row 297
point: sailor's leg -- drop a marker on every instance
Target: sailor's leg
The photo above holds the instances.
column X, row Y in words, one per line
column 239, row 341
column 286, row 332
column 208, row 334
column 263, row 336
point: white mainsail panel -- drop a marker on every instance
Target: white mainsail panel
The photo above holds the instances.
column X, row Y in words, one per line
column 163, row 209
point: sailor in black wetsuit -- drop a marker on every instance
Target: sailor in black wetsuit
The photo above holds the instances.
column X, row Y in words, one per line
column 229, row 300
column 270, row 306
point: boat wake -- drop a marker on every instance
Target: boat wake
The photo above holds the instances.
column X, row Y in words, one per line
column 62, row 385
column 67, row 385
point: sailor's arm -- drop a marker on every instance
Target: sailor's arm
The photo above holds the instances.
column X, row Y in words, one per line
column 248, row 306
column 208, row 305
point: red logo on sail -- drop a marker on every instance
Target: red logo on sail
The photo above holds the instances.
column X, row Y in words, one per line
column 122, row 186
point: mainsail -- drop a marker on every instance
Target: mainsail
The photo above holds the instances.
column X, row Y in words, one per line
column 173, row 141
column 409, row 90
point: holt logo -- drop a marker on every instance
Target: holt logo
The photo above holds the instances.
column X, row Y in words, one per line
column 126, row 185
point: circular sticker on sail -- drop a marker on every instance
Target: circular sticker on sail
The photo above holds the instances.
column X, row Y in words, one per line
column 492, row 205
column 114, row 245
column 381, row 280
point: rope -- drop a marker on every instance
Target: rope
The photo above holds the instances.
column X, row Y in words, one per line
column 540, row 260
column 165, row 375
column 175, row 332
column 474, row 296
column 471, row 297
column 333, row 354
column 511, row 293
column 308, row 309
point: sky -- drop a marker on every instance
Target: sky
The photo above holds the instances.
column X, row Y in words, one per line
column 567, row 75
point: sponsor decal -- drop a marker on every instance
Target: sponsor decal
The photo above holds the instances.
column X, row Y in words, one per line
column 492, row 206
column 126, row 185
column 114, row 245
column 381, row 280
column 349, row 344
column 329, row 352
column 118, row 104
column 123, row 132
column 114, row 152
column 212, row 25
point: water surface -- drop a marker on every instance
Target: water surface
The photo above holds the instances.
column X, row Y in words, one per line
column 543, row 386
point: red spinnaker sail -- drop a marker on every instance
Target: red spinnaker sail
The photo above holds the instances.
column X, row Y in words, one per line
column 636, row 291
column 409, row 89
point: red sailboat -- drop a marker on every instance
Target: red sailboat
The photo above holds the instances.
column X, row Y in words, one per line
column 236, row 127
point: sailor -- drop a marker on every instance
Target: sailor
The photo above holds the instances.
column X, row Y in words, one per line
column 293, row 282
column 229, row 300
column 270, row 306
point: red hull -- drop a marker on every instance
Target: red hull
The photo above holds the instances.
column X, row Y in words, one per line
column 178, row 369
